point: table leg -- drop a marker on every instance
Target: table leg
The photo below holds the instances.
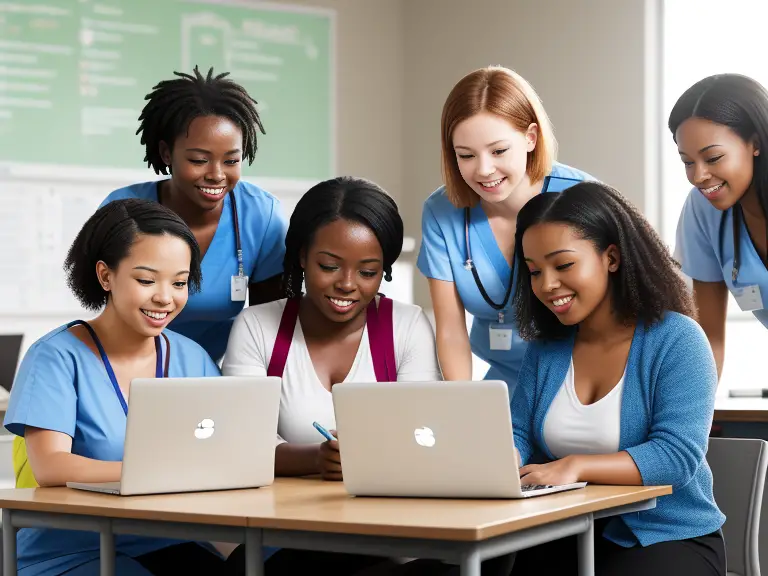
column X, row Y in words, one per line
column 9, row 545
column 254, row 555
column 587, row 550
column 107, row 550
column 470, row 564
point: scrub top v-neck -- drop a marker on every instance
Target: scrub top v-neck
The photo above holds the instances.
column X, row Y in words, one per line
column 443, row 256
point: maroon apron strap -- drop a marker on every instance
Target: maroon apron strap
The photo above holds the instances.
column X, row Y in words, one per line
column 284, row 337
column 381, row 339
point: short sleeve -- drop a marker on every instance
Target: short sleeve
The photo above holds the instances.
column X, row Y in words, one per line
column 246, row 354
column 694, row 247
column 43, row 394
column 433, row 260
column 107, row 200
column 272, row 250
column 417, row 352
column 246, row 350
column 209, row 366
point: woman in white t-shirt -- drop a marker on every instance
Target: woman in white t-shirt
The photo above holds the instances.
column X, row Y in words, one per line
column 343, row 238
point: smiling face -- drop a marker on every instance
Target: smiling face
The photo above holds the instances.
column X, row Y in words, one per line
column 492, row 155
column 568, row 275
column 717, row 160
column 148, row 288
column 206, row 161
column 343, row 269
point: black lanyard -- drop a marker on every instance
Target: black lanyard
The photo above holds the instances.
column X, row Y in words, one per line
column 238, row 245
column 160, row 372
column 737, row 219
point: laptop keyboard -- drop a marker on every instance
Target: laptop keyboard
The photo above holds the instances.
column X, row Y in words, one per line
column 528, row 487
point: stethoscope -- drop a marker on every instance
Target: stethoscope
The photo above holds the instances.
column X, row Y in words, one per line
column 238, row 246
column 737, row 220
column 470, row 265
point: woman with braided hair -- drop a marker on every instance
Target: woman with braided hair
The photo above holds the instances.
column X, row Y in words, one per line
column 198, row 129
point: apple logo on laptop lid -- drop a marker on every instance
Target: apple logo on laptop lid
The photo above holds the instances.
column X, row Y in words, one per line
column 204, row 429
column 424, row 437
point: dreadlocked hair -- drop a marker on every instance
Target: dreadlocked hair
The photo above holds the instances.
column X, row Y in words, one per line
column 343, row 198
column 174, row 104
column 647, row 283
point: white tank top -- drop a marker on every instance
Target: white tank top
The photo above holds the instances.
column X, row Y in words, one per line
column 570, row 427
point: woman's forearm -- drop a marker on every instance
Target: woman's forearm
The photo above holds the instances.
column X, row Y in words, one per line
column 58, row 468
column 296, row 459
column 455, row 355
column 618, row 468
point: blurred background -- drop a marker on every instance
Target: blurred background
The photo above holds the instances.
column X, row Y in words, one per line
column 344, row 87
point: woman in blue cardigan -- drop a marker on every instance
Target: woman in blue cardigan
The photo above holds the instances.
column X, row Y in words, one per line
column 618, row 384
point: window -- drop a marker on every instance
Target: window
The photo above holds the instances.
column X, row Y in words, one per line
column 701, row 38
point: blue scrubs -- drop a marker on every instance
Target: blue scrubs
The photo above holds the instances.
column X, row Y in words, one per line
column 443, row 254
column 704, row 248
column 63, row 386
column 208, row 316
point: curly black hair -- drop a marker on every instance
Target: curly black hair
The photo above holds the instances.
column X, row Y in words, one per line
column 173, row 104
column 108, row 235
column 646, row 285
column 347, row 198
column 735, row 101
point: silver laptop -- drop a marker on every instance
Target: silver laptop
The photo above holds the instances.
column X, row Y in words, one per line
column 429, row 439
column 197, row 434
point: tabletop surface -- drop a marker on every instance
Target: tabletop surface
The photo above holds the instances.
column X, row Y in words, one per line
column 741, row 409
column 314, row 505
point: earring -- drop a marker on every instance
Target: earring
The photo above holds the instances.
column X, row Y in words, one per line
column 756, row 152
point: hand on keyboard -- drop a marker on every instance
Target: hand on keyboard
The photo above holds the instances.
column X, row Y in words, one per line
column 526, row 487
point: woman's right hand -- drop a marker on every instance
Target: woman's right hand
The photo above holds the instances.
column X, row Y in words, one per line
column 329, row 459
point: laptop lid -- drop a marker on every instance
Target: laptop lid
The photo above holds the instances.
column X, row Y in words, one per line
column 196, row 434
column 426, row 439
column 10, row 347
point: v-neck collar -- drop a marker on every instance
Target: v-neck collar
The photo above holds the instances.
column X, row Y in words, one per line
column 298, row 337
column 482, row 226
column 225, row 219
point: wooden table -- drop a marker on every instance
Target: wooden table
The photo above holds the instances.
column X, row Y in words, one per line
column 316, row 515
column 741, row 410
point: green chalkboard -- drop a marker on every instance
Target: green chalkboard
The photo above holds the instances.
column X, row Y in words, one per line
column 74, row 73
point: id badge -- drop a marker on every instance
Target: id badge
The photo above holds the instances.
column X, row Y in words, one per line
column 748, row 298
column 501, row 336
column 238, row 288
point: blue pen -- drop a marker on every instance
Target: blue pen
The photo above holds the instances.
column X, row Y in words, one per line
column 323, row 431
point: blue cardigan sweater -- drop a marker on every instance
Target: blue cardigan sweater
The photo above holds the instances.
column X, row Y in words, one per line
column 666, row 415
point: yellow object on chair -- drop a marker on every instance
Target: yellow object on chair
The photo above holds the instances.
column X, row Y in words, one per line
column 21, row 468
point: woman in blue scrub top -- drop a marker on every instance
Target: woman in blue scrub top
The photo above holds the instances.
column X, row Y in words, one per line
column 137, row 262
column 720, row 125
column 200, row 129
column 498, row 152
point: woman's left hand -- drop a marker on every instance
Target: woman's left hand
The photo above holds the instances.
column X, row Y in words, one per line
column 563, row 471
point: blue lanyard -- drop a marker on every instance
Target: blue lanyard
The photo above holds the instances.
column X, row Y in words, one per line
column 108, row 366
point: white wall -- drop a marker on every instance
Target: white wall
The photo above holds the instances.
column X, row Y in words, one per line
column 586, row 59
